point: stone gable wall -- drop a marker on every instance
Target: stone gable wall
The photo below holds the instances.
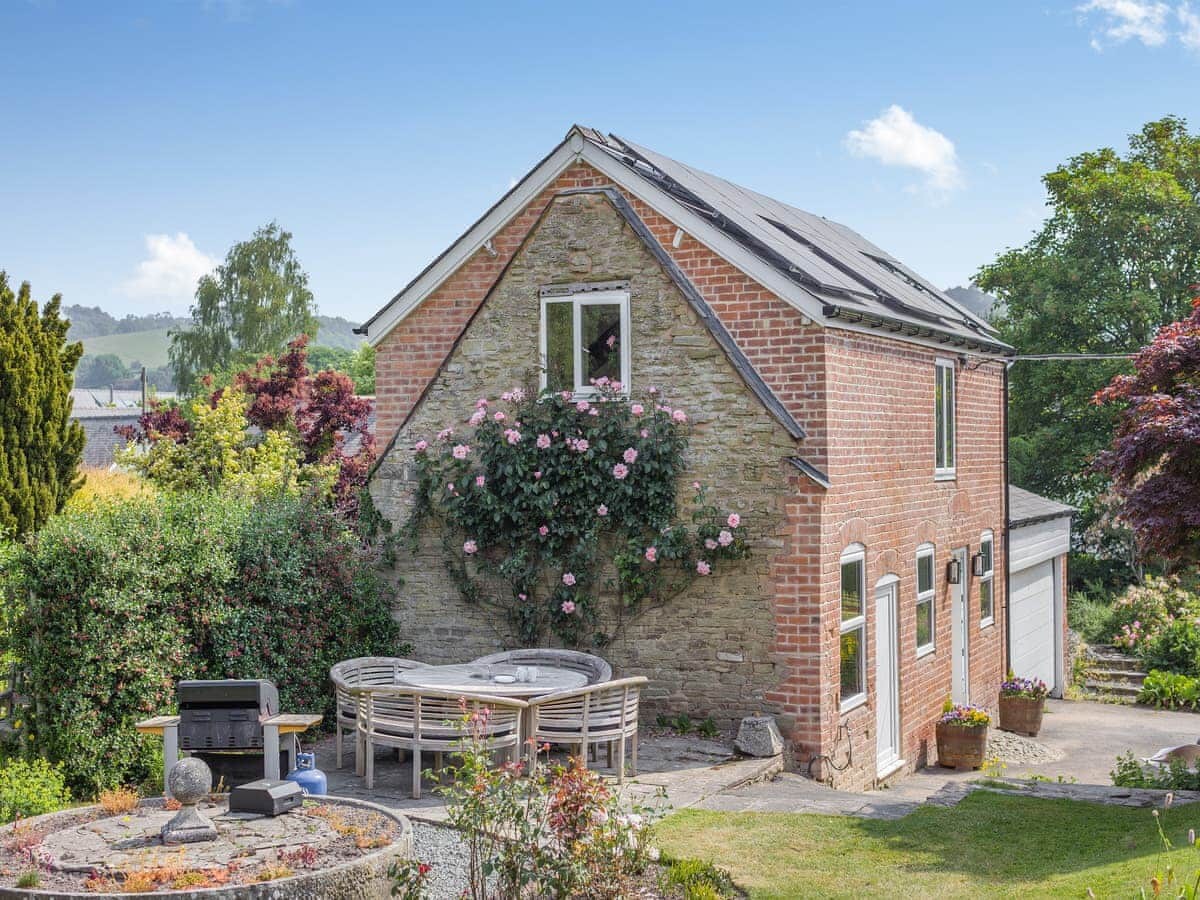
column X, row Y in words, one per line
column 713, row 650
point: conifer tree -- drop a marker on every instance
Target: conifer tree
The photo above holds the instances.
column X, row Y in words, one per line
column 40, row 445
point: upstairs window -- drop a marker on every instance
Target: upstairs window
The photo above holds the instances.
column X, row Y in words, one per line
column 925, row 597
column 585, row 337
column 987, row 599
column 943, row 419
column 854, row 627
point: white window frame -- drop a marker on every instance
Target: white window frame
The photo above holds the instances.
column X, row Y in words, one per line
column 578, row 301
column 929, row 596
column 854, row 553
column 948, row 415
column 988, row 578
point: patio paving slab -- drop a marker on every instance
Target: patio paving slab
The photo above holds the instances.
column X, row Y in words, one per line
column 687, row 769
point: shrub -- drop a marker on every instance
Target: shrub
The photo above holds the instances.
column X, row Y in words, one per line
column 697, row 879
column 1170, row 690
column 118, row 801
column 106, row 486
column 1090, row 618
column 1132, row 772
column 113, row 605
column 1146, row 609
column 30, row 788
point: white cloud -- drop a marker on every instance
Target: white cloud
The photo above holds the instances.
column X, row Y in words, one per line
column 167, row 277
column 1151, row 22
column 1189, row 22
column 895, row 138
column 1130, row 20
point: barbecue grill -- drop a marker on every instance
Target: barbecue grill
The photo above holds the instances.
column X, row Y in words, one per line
column 224, row 715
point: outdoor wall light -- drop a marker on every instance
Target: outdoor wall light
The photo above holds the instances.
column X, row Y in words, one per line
column 977, row 564
column 954, row 571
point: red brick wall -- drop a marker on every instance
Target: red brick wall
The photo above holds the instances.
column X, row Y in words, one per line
column 884, row 496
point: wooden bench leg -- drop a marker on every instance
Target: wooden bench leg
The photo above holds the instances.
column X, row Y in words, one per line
column 621, row 761
column 416, row 778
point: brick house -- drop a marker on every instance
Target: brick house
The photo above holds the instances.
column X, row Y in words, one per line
column 850, row 411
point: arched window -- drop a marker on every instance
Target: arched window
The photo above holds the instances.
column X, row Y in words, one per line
column 854, row 626
column 926, row 607
column 987, row 599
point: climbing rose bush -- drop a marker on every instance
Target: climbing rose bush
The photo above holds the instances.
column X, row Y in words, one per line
column 542, row 491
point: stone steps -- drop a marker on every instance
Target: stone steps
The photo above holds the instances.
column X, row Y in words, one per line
column 1113, row 675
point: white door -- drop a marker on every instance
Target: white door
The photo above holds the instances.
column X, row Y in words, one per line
column 887, row 679
column 960, row 644
column 1032, row 604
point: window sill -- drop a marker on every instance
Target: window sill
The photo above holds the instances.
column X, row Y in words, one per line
column 852, row 704
column 948, row 475
column 923, row 652
column 987, row 623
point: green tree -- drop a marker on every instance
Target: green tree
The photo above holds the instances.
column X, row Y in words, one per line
column 1109, row 267
column 252, row 304
column 40, row 445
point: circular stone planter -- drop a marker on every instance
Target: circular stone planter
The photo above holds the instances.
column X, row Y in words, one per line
column 1021, row 714
column 357, row 878
column 961, row 747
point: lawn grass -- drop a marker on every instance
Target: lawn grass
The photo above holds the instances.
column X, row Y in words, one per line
column 989, row 845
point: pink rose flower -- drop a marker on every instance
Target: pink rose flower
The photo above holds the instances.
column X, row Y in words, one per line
column 695, row 485
column 445, row 433
column 703, row 568
column 679, row 416
column 582, row 406
column 450, row 486
column 569, row 579
column 543, row 441
column 652, row 391
column 421, row 446
column 593, row 411
column 582, row 445
column 611, row 342
column 481, row 403
column 537, row 475
column 480, row 481
column 616, row 386
column 460, row 451
column 513, row 436
column 568, row 607
column 602, row 510
column 724, row 538
column 652, row 554
column 645, row 432
column 470, row 547
column 637, row 409
column 543, row 531
column 566, row 395
column 499, row 416
column 630, row 456
column 710, row 544
column 522, row 597
column 620, row 470
column 734, row 520
column 477, row 418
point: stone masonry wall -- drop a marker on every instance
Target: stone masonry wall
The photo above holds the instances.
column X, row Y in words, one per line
column 712, row 651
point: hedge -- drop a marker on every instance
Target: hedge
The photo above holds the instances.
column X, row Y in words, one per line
column 113, row 604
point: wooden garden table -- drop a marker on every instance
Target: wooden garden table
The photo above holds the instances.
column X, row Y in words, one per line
column 474, row 679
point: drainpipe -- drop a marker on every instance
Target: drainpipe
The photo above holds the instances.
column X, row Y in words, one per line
column 1007, row 564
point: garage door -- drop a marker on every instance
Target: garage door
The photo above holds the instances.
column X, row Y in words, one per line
column 1032, row 609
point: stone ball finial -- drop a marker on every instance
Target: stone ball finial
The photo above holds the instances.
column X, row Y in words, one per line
column 190, row 780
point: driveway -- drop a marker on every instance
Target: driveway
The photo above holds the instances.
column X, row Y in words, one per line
column 1089, row 735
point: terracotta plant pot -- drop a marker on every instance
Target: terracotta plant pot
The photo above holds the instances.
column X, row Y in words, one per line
column 1022, row 715
column 961, row 747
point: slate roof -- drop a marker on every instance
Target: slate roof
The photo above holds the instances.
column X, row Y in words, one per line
column 1028, row 508
column 854, row 279
column 94, row 403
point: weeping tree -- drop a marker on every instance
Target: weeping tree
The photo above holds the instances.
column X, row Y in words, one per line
column 40, row 445
column 251, row 306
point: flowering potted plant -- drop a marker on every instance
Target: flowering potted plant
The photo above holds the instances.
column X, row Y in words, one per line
column 1022, row 701
column 962, row 736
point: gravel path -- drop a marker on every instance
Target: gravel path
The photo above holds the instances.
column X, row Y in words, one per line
column 1016, row 748
column 445, row 851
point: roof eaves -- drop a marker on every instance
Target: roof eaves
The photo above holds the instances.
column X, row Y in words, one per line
column 836, row 312
column 819, row 477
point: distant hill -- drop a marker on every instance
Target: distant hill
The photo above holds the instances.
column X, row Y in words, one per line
column 144, row 341
column 975, row 300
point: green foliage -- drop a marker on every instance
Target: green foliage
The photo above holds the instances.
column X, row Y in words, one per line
column 1110, row 266
column 1169, row 690
column 707, row 728
column 554, row 831
column 1090, row 618
column 1132, row 772
column 1175, row 649
column 112, row 604
column 697, row 879
column 359, row 364
column 40, row 446
column 30, row 879
column 30, row 788
column 539, row 486
column 253, row 304
column 223, row 454
column 1139, row 615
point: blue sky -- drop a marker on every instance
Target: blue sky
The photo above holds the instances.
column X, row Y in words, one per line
column 143, row 138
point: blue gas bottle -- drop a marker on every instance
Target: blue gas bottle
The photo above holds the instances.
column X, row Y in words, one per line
column 306, row 774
